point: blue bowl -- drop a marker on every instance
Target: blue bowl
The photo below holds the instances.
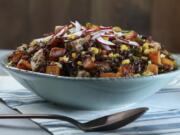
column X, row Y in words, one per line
column 90, row 93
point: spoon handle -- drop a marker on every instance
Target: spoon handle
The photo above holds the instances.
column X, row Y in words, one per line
column 30, row 116
column 41, row 116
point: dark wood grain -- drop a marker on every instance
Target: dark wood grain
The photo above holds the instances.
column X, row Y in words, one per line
column 39, row 17
column 24, row 20
column 165, row 23
column 14, row 23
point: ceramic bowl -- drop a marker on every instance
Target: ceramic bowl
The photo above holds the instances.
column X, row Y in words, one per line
column 90, row 93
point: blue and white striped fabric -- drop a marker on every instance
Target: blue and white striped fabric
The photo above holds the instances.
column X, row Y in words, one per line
column 162, row 118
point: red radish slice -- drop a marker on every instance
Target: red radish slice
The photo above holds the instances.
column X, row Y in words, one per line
column 133, row 43
column 97, row 34
column 106, row 30
column 83, row 28
column 105, row 42
column 65, row 35
column 122, row 41
column 58, row 28
column 110, row 35
column 106, row 47
column 61, row 32
column 90, row 30
column 104, row 27
column 118, row 34
column 72, row 23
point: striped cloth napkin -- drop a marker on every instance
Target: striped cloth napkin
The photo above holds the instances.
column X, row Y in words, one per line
column 162, row 118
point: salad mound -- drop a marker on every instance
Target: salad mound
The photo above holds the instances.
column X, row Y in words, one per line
column 93, row 51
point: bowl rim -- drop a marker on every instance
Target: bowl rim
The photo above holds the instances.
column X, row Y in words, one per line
column 3, row 63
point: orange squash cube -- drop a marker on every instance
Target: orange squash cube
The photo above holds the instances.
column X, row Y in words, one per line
column 131, row 35
column 16, row 56
column 53, row 70
column 155, row 57
column 152, row 68
column 126, row 70
column 56, row 52
column 109, row 75
column 24, row 64
column 168, row 62
column 89, row 64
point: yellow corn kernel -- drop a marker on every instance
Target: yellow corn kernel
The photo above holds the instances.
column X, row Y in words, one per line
column 106, row 38
column 126, row 61
column 136, row 75
column 116, row 55
column 124, row 48
column 140, row 49
column 94, row 50
column 80, row 63
column 64, row 58
column 91, row 26
column 71, row 36
column 88, row 25
column 129, row 33
column 83, row 52
column 147, row 51
column 111, row 55
column 146, row 45
column 162, row 56
column 74, row 55
column 147, row 73
column 117, row 29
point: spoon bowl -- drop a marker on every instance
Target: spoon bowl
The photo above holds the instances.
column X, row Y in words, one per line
column 114, row 121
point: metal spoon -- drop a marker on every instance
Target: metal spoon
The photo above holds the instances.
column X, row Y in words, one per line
column 109, row 122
